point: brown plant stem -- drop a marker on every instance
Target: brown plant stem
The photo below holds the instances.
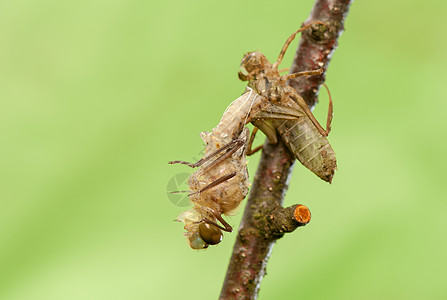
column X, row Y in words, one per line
column 264, row 220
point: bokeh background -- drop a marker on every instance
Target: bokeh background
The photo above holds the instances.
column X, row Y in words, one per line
column 96, row 97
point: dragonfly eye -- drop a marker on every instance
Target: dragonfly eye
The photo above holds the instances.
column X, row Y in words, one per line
column 210, row 234
column 196, row 242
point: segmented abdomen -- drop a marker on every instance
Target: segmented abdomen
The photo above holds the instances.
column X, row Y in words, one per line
column 309, row 146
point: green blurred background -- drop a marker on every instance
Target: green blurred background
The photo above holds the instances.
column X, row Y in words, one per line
column 96, row 97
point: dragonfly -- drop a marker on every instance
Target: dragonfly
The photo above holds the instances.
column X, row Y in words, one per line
column 221, row 180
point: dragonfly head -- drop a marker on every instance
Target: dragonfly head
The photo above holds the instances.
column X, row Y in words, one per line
column 204, row 235
column 198, row 233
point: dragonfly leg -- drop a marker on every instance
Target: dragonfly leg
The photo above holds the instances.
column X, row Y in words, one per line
column 289, row 40
column 304, row 73
column 233, row 146
column 309, row 114
column 226, row 227
column 303, row 105
column 216, row 183
column 330, row 111
column 250, row 143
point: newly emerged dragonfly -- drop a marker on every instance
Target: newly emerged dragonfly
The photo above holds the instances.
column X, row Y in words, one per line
column 289, row 114
column 221, row 182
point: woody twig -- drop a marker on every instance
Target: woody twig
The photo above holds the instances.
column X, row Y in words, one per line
column 265, row 220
